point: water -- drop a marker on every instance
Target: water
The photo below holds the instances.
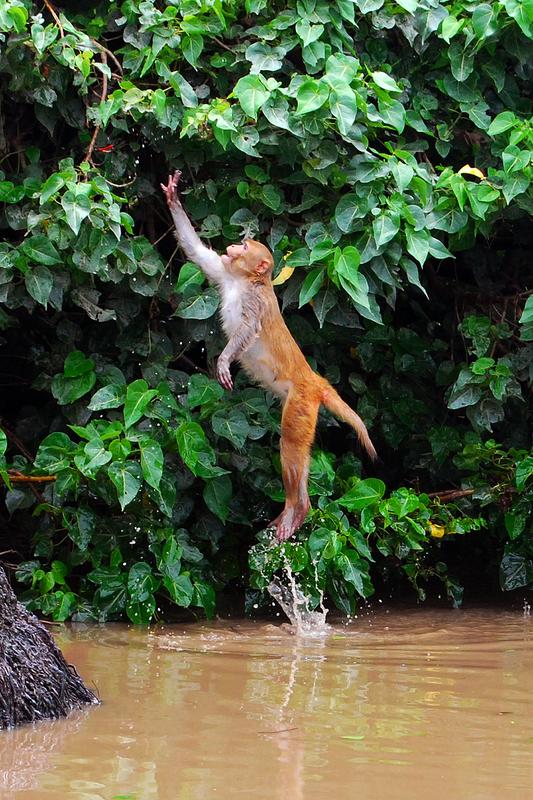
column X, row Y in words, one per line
column 287, row 593
column 396, row 706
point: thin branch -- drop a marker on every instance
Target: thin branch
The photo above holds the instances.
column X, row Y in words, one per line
column 451, row 494
column 89, row 153
column 54, row 14
column 111, row 55
column 18, row 477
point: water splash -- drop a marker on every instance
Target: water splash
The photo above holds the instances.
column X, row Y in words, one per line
column 296, row 605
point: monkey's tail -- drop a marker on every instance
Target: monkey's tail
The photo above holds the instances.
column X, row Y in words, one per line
column 334, row 403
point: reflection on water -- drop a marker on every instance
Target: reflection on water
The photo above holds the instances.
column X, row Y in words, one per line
column 394, row 706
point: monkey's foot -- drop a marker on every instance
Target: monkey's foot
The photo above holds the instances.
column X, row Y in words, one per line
column 170, row 190
column 290, row 520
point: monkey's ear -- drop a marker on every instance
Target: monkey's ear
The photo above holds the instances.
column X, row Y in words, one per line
column 262, row 267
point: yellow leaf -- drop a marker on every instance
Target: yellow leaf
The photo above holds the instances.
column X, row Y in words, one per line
column 283, row 276
column 474, row 171
column 437, row 531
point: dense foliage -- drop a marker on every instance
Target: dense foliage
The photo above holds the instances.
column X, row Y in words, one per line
column 384, row 152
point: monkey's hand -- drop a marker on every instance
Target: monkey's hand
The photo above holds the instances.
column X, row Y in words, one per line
column 170, row 190
column 224, row 374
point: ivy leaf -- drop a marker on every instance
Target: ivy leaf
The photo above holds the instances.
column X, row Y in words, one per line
column 152, row 460
column 127, row 479
column 77, row 207
column 385, row 81
column 264, row 57
column 76, row 364
column 191, row 47
column 112, row 395
column 68, row 390
column 252, row 92
column 364, row 493
column 217, row 495
column 385, row 227
column 343, row 105
column 40, row 250
column 311, row 285
column 198, row 306
column 417, row 244
column 524, row 471
column 311, row 95
column 203, row 390
column 138, row 396
column 232, row 425
column 349, row 210
column 39, row 282
column 204, row 596
column 501, row 123
column 308, row 33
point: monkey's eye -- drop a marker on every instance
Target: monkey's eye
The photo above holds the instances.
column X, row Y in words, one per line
column 245, row 246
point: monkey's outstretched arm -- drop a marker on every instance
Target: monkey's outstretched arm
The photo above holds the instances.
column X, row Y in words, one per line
column 189, row 241
column 245, row 335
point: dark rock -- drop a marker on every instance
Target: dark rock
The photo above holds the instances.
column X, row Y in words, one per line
column 35, row 680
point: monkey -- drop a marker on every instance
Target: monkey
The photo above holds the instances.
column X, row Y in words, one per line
column 259, row 339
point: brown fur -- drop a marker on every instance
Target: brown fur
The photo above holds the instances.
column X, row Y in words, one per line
column 259, row 338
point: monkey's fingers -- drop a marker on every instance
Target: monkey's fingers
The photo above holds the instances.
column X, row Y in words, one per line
column 224, row 376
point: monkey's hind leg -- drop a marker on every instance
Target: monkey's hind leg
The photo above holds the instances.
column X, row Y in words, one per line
column 298, row 423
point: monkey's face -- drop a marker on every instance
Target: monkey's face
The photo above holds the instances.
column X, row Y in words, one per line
column 236, row 258
column 248, row 258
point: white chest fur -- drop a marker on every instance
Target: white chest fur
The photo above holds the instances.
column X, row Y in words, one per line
column 231, row 306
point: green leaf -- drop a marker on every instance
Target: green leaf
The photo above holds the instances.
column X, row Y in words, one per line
column 39, row 282
column 127, row 479
column 204, row 596
column 308, row 33
column 385, row 227
column 522, row 12
column 77, row 207
column 76, row 364
column 68, row 390
column 138, row 396
column 385, row 81
column 3, row 443
column 191, row 47
column 526, row 317
column 50, row 188
column 343, row 106
column 417, row 244
column 141, row 613
column 349, row 210
column 198, row 306
column 202, row 390
column 141, row 582
column 180, row 589
column 152, row 460
column 40, row 250
column 524, row 471
column 190, row 275
column 350, row 566
column 311, row 285
column 252, row 92
column 501, row 123
column 217, row 495
column 311, row 95
column 110, row 396
column 264, row 57
column 93, row 457
column 364, row 493
column 54, row 453
column 232, row 425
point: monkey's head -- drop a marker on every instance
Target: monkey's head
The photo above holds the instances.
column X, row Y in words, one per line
column 250, row 259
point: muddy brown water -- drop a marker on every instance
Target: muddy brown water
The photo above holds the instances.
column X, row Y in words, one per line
column 395, row 706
